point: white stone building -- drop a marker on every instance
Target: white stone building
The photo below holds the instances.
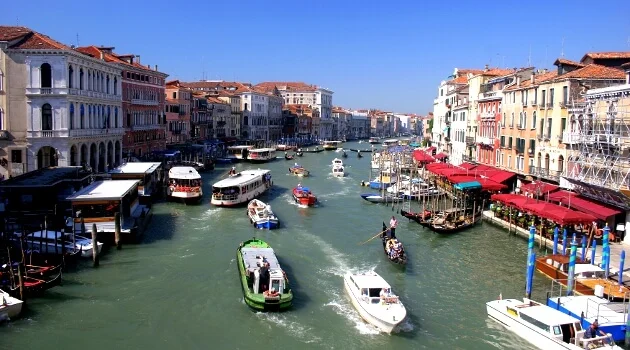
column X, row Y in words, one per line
column 65, row 107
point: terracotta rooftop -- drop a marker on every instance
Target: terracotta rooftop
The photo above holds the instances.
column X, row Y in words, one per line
column 269, row 86
column 607, row 55
column 10, row 33
column 594, row 71
column 35, row 40
column 567, row 62
column 216, row 100
column 538, row 79
column 96, row 52
column 462, row 79
column 626, row 65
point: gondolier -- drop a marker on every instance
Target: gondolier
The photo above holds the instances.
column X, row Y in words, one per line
column 392, row 226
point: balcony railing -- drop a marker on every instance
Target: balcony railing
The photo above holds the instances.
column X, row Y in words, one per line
column 137, row 101
column 146, row 127
column 470, row 140
column 96, row 132
column 484, row 140
column 94, row 94
column 546, row 173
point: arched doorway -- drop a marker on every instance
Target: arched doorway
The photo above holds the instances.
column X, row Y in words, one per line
column 560, row 164
column 84, row 154
column 117, row 153
column 110, row 154
column 93, row 159
column 101, row 157
column 547, row 161
column 73, row 155
column 46, row 157
column 539, row 160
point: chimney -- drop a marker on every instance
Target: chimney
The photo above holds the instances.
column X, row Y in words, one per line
column 156, row 67
column 149, row 66
column 518, row 80
column 138, row 56
column 101, row 52
column 486, row 68
column 532, row 77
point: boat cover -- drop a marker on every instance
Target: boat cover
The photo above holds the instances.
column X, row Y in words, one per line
column 468, row 185
column 250, row 260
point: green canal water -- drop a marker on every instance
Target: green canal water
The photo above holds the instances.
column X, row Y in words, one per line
column 179, row 289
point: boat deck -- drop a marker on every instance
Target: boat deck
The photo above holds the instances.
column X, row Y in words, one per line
column 251, row 261
column 594, row 308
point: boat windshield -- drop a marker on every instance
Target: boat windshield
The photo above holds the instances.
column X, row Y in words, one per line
column 225, row 190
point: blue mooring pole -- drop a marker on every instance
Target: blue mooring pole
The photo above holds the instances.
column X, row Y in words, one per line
column 555, row 240
column 622, row 260
column 606, row 251
column 593, row 249
column 572, row 257
column 564, row 242
column 530, row 267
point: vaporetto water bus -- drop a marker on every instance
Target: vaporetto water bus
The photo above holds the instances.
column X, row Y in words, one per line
column 261, row 155
column 241, row 187
column 390, row 142
column 331, row 145
column 184, row 183
column 238, row 152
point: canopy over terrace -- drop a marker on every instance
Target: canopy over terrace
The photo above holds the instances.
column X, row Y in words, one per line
column 539, row 187
column 441, row 156
column 486, row 184
column 572, row 200
column 553, row 212
column 422, row 157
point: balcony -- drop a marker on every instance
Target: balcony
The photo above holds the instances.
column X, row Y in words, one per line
column 96, row 132
column 524, row 103
column 549, row 105
column 470, row 141
column 137, row 101
column 539, row 137
column 146, row 127
column 46, row 91
column 546, row 173
column 485, row 141
column 94, row 94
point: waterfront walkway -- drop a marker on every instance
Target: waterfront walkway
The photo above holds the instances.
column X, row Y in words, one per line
column 615, row 248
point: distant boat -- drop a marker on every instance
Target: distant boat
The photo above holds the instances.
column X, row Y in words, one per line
column 302, row 195
column 299, row 170
column 184, row 184
column 241, row 187
column 261, row 216
column 337, row 168
column 265, row 285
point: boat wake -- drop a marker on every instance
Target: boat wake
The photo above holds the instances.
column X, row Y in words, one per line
column 289, row 199
column 208, row 214
column 344, row 192
column 342, row 307
column 293, row 327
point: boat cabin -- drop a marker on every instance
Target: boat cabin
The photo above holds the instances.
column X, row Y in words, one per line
column 148, row 173
column 561, row 263
column 263, row 270
column 261, row 154
column 238, row 152
column 99, row 202
column 390, row 142
column 370, row 286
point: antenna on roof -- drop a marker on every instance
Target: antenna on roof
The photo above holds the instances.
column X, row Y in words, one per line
column 562, row 50
column 17, row 23
column 77, row 39
column 529, row 58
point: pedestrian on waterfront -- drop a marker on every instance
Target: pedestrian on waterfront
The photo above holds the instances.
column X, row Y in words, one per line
column 392, row 226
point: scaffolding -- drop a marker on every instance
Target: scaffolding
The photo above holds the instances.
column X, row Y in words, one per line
column 599, row 135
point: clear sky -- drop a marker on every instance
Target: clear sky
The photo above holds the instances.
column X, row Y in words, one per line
column 389, row 55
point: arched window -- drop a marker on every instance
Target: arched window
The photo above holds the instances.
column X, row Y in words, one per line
column 107, row 84
column 115, row 116
column 81, row 78
column 82, row 112
column 534, row 120
column 71, row 121
column 70, row 77
column 109, row 113
column 47, row 120
column 115, row 86
column 46, row 76
column 1, row 119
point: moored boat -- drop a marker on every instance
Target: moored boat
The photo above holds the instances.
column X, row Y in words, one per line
column 261, row 215
column 241, row 187
column 261, row 155
column 556, row 267
column 543, row 326
column 371, row 296
column 304, row 196
column 10, row 307
column 299, row 170
column 50, row 242
column 33, row 283
column 452, row 221
column 184, row 184
column 417, row 217
column 288, row 156
column 264, row 283
column 377, row 198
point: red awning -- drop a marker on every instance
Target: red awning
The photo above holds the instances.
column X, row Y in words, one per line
column 514, row 200
column 535, row 186
column 467, row 165
column 441, row 156
column 502, row 176
column 432, row 167
column 486, row 184
column 558, row 214
column 422, row 156
column 430, row 149
column 572, row 200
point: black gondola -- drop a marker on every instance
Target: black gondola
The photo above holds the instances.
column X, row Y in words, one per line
column 417, row 217
column 345, row 155
column 34, row 284
column 299, row 153
column 399, row 257
column 288, row 156
column 359, row 155
column 443, row 226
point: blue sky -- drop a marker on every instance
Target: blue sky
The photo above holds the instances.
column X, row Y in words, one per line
column 387, row 55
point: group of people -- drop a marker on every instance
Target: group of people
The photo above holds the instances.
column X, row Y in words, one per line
column 394, row 248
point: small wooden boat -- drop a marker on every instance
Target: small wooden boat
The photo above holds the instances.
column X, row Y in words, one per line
column 451, row 222
column 417, row 217
column 10, row 307
column 299, row 153
column 377, row 198
column 265, row 285
column 299, row 170
column 302, row 195
column 393, row 248
column 385, row 312
column 33, row 284
column 261, row 216
column 288, row 156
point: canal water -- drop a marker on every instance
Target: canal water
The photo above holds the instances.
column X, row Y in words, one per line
column 179, row 289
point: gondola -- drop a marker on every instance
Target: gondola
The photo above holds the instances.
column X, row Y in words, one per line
column 361, row 150
column 345, row 155
column 445, row 227
column 299, row 153
column 417, row 217
column 34, row 285
column 399, row 257
column 288, row 156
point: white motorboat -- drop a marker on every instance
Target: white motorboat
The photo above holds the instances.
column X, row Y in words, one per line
column 377, row 198
column 261, row 216
column 184, row 183
column 49, row 242
column 10, row 307
column 543, row 326
column 241, row 187
column 337, row 168
column 364, row 291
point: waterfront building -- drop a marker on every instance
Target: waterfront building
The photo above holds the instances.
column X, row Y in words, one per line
column 142, row 102
column 360, row 124
column 427, row 127
column 456, row 123
column 304, row 117
column 178, row 110
column 222, row 124
column 233, row 127
column 343, row 124
column 599, row 131
column 201, row 124
column 299, row 93
column 64, row 107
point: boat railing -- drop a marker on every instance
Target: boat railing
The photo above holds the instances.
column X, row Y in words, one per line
column 225, row 197
column 597, row 342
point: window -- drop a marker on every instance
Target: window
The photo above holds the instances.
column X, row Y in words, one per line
column 82, row 121
column 534, row 120
column 70, row 77
column 498, row 157
column 71, row 121
column 45, row 76
column 565, row 95
column 524, row 125
column 544, row 96
column 107, row 85
column 16, row 156
column 47, row 117
column 503, row 121
column 512, row 120
column 548, row 128
column 535, row 96
column 563, row 125
column 510, row 142
column 174, row 94
column 509, row 161
column 520, row 120
column 81, row 78
column 532, row 146
column 542, row 126
column 551, row 96
column 115, row 86
column 502, row 141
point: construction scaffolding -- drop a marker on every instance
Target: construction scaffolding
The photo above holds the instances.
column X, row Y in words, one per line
column 599, row 135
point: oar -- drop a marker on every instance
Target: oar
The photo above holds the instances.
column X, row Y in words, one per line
column 374, row 236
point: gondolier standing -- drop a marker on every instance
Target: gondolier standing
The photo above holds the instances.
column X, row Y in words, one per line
column 392, row 226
